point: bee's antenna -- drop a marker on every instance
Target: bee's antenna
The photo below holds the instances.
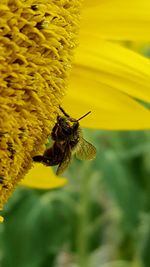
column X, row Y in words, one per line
column 84, row 116
column 62, row 110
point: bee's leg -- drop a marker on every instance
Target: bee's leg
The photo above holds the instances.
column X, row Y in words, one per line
column 54, row 132
column 42, row 159
column 48, row 161
column 38, row 158
column 62, row 110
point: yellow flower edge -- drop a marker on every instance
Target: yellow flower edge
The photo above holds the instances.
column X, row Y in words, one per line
column 42, row 177
column 36, row 48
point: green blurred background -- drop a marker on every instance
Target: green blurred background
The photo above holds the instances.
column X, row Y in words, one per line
column 100, row 219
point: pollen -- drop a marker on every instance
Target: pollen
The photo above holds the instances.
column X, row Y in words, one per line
column 37, row 41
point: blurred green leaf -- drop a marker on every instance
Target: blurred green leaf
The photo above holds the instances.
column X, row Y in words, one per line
column 101, row 218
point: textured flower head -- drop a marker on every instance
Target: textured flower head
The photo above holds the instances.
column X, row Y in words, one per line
column 37, row 40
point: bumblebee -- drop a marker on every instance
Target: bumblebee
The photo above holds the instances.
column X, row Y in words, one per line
column 68, row 140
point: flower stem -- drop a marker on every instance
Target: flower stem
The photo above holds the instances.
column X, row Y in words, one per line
column 83, row 222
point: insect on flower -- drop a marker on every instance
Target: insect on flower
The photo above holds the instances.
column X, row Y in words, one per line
column 68, row 141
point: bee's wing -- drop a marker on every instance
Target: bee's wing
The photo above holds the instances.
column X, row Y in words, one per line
column 85, row 150
column 65, row 161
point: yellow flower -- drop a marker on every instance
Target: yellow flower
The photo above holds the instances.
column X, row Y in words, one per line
column 36, row 53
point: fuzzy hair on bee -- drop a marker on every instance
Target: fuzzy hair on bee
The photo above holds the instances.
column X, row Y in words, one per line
column 68, row 141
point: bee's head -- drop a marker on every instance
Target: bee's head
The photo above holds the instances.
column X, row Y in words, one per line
column 67, row 125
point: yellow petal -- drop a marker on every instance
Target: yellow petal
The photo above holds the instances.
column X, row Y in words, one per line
column 132, row 116
column 117, row 20
column 42, row 177
column 103, row 79
column 1, row 219
column 116, row 66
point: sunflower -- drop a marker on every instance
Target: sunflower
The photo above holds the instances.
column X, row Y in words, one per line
column 37, row 45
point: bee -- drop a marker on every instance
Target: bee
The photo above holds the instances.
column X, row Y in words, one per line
column 68, row 140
